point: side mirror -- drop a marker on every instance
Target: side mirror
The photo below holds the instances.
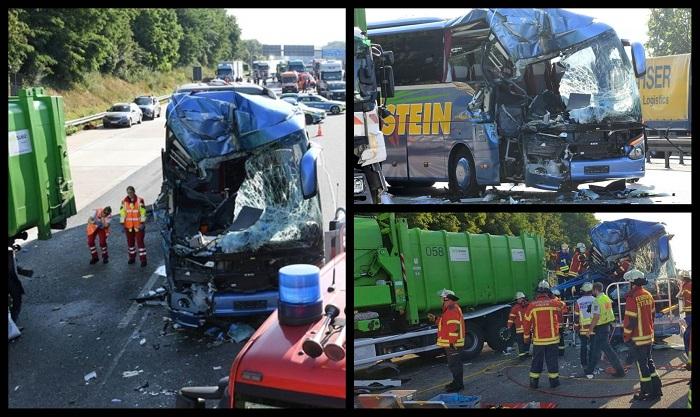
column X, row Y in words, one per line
column 308, row 168
column 388, row 57
column 387, row 80
column 664, row 249
column 639, row 59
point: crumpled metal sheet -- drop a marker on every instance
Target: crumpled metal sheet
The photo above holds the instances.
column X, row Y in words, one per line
column 217, row 123
column 532, row 34
column 617, row 238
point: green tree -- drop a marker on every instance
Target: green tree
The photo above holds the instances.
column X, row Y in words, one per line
column 250, row 50
column 669, row 32
column 158, row 33
column 18, row 47
column 209, row 36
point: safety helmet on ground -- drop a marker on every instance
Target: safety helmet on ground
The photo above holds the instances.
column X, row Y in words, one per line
column 634, row 276
column 581, row 246
column 556, row 292
column 543, row 286
column 587, row 287
column 519, row 294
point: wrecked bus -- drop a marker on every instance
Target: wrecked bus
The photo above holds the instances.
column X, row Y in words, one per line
column 238, row 201
column 544, row 97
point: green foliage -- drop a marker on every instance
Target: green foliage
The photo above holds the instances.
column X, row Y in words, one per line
column 250, row 51
column 555, row 227
column 669, row 32
column 59, row 47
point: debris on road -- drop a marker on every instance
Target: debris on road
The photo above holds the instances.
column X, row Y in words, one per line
column 116, row 400
column 240, row 332
column 141, row 387
column 88, row 276
column 216, row 368
column 129, row 374
column 91, row 375
column 142, row 342
column 12, row 330
column 161, row 271
column 17, row 387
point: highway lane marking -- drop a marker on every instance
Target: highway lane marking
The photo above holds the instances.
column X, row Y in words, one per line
column 134, row 305
column 116, row 359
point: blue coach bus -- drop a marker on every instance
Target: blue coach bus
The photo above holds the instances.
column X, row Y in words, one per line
column 544, row 97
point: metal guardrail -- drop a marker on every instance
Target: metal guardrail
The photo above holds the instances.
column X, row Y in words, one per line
column 98, row 116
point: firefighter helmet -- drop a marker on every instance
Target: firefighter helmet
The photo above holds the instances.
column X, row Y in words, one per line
column 519, row 294
column 634, row 276
column 543, row 286
column 564, row 246
column 556, row 292
column 580, row 246
column 587, row 287
column 685, row 274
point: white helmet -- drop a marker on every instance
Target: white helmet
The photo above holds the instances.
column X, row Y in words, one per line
column 633, row 275
column 587, row 286
column 519, row 294
column 581, row 246
column 564, row 246
column 543, row 285
column 684, row 274
column 445, row 292
column 556, row 292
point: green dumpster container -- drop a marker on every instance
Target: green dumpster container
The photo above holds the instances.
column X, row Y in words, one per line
column 40, row 190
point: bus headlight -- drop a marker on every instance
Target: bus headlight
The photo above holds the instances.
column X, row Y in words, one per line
column 636, row 153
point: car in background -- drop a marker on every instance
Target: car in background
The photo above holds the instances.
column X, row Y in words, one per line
column 335, row 91
column 318, row 102
column 122, row 114
column 149, row 105
column 311, row 115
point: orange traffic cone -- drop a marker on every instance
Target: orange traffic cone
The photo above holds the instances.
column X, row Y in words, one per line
column 319, row 132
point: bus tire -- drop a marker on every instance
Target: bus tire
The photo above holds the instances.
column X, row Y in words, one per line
column 473, row 341
column 498, row 336
column 462, row 174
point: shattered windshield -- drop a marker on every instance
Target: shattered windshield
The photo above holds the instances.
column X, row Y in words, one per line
column 601, row 68
column 273, row 184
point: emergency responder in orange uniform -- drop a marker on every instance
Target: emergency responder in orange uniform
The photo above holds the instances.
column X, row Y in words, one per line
column 582, row 320
column 638, row 327
column 515, row 323
column 98, row 226
column 132, row 215
column 564, row 310
column 685, row 295
column 542, row 321
column 451, row 330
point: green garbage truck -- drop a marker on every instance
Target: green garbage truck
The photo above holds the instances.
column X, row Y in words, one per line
column 39, row 190
column 399, row 271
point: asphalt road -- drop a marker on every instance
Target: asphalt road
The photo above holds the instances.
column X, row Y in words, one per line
column 663, row 186
column 500, row 378
column 77, row 318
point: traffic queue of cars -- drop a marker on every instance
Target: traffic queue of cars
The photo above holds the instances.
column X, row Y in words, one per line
column 128, row 114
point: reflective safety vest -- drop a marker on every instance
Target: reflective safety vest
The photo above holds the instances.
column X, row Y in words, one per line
column 451, row 327
column 563, row 261
column 98, row 221
column 686, row 296
column 132, row 214
column 583, row 315
column 542, row 320
column 603, row 307
column 516, row 317
column 639, row 317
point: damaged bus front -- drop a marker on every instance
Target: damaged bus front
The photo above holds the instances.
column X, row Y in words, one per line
column 543, row 97
column 239, row 200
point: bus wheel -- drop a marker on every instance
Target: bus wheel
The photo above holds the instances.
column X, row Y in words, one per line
column 462, row 174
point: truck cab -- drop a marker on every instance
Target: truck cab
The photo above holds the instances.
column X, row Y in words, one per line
column 290, row 82
column 272, row 370
column 238, row 201
column 329, row 71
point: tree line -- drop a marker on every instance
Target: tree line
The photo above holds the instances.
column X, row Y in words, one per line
column 556, row 228
column 60, row 46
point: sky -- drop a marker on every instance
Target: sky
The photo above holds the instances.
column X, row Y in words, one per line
column 291, row 26
column 677, row 224
column 628, row 23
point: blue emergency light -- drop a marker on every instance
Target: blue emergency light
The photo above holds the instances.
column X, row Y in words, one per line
column 300, row 295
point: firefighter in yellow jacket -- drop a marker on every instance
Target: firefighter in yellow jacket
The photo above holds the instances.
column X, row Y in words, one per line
column 132, row 215
column 451, row 330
